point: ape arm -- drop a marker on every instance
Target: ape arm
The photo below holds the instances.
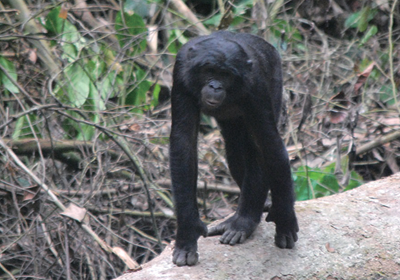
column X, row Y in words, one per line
column 183, row 165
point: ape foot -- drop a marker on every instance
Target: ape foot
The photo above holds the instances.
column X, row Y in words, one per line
column 185, row 256
column 234, row 230
column 286, row 228
column 185, row 252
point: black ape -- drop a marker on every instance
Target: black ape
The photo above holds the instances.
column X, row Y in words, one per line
column 236, row 78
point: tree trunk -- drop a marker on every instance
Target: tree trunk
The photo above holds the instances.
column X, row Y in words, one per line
column 352, row 235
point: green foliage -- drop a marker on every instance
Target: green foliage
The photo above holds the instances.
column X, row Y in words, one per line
column 78, row 85
column 313, row 182
column 23, row 127
column 291, row 36
column 131, row 30
column 368, row 35
column 386, row 95
column 238, row 12
column 66, row 32
column 4, row 80
column 139, row 7
column 142, row 7
column 360, row 20
column 138, row 95
column 93, row 75
column 175, row 41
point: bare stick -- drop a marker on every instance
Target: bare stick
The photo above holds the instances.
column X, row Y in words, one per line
column 190, row 16
column 56, row 201
column 394, row 88
column 44, row 50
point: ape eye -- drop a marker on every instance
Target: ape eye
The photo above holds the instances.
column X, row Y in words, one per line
column 209, row 71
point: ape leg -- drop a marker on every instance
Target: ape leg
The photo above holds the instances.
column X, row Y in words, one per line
column 245, row 166
column 278, row 177
column 236, row 151
column 236, row 141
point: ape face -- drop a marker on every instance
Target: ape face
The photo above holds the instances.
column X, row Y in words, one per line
column 214, row 87
column 215, row 68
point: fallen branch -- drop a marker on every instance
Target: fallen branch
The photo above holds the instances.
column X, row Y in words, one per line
column 118, row 211
column 210, row 187
column 379, row 141
column 29, row 146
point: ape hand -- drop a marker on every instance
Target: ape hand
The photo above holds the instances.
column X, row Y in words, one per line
column 185, row 252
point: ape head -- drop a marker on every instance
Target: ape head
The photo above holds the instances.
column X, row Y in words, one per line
column 216, row 67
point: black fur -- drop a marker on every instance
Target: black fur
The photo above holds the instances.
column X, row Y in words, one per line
column 236, row 78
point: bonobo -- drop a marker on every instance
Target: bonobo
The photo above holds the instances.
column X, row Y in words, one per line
column 237, row 79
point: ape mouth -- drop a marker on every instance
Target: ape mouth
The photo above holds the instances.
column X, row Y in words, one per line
column 212, row 104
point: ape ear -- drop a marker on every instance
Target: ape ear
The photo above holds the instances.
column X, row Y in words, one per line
column 191, row 53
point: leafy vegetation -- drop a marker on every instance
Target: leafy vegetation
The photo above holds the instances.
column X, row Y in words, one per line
column 84, row 119
column 315, row 182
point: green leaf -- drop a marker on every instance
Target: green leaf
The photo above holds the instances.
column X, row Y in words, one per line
column 156, row 93
column 214, row 20
column 355, row 181
column 19, row 124
column 274, row 8
column 241, row 7
column 302, row 189
column 371, row 32
column 95, row 68
column 351, row 21
column 131, row 30
column 10, row 68
column 23, row 129
column 86, row 132
column 313, row 183
column 70, row 36
column 53, row 23
column 59, row 26
column 77, row 85
column 360, row 19
column 104, row 84
column 137, row 96
column 367, row 14
column 363, row 21
column 79, row 130
column 139, row 7
column 96, row 98
column 386, row 95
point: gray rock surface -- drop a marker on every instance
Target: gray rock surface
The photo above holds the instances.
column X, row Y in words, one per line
column 352, row 235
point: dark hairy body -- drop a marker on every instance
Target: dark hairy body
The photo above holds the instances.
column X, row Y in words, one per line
column 237, row 79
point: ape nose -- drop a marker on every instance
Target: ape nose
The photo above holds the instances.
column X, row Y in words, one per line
column 215, row 85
